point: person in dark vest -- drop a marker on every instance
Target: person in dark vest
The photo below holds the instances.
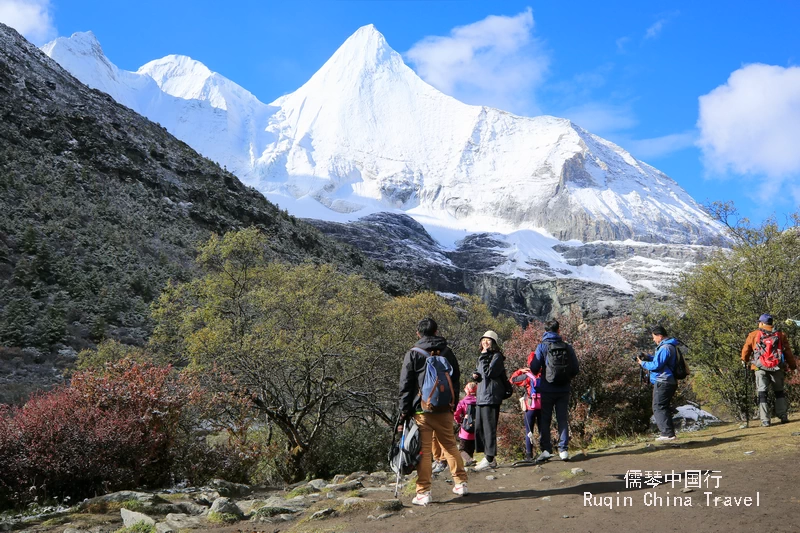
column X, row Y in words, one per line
column 490, row 375
column 557, row 362
column 412, row 378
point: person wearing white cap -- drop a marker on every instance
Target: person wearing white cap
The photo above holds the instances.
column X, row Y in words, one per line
column 490, row 375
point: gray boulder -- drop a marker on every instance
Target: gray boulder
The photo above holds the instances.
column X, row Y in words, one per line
column 163, row 527
column 130, row 518
column 225, row 506
column 343, row 487
column 180, row 521
column 318, row 484
column 226, row 488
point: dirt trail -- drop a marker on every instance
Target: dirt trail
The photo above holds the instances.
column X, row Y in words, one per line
column 756, row 463
column 523, row 499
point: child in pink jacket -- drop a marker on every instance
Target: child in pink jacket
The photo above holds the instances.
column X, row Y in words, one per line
column 465, row 416
column 531, row 404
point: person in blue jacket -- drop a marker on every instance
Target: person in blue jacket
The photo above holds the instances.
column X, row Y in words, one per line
column 663, row 380
column 557, row 362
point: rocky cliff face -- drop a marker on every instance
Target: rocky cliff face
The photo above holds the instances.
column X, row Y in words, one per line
column 476, row 266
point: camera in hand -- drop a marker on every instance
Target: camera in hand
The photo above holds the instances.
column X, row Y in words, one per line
column 643, row 356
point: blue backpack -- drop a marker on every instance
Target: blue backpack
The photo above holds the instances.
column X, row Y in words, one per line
column 436, row 395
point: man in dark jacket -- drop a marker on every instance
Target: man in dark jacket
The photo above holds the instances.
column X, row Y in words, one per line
column 412, row 377
column 661, row 368
column 557, row 361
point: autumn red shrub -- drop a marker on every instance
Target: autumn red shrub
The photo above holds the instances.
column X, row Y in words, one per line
column 608, row 398
column 106, row 430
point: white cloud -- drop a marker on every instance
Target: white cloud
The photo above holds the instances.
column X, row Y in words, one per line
column 751, row 125
column 495, row 62
column 660, row 146
column 655, row 30
column 32, row 18
column 601, row 119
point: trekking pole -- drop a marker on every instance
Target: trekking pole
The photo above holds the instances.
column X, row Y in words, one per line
column 746, row 398
column 402, row 457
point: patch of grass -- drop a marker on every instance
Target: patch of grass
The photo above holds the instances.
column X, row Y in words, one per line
column 101, row 507
column 174, row 497
column 567, row 474
column 84, row 520
column 133, row 505
column 303, row 490
column 222, row 518
column 601, row 444
column 353, row 494
column 56, row 521
column 372, row 505
column 410, row 488
column 313, row 527
column 138, row 527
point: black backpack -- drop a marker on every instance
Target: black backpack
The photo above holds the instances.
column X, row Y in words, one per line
column 468, row 424
column 680, row 370
column 557, row 363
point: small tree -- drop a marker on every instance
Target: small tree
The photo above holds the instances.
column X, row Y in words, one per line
column 303, row 341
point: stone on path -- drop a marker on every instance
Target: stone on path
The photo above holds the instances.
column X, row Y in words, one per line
column 130, row 518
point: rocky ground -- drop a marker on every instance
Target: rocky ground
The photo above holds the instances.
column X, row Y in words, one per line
column 589, row 493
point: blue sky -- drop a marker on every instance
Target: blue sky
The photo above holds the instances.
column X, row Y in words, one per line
column 708, row 92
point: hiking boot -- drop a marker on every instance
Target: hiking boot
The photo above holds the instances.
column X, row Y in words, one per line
column 785, row 420
column 564, row 454
column 422, row 498
column 438, row 466
column 528, row 458
column 485, row 465
column 544, row 456
column 461, row 489
column 665, row 438
column 766, row 423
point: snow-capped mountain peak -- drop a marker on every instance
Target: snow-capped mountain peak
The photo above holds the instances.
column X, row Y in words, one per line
column 186, row 78
column 364, row 51
column 365, row 133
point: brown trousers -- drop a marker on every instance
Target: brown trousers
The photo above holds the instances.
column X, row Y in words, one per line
column 442, row 425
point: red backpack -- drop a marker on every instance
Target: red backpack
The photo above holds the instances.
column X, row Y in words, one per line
column 768, row 352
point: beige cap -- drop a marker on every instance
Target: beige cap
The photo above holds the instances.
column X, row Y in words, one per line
column 491, row 335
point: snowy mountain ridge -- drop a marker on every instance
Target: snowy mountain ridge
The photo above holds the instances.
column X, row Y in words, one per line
column 365, row 134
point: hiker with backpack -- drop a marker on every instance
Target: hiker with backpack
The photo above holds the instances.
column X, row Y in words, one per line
column 770, row 356
column 662, row 375
column 464, row 416
column 428, row 395
column 530, row 404
column 493, row 388
column 558, row 364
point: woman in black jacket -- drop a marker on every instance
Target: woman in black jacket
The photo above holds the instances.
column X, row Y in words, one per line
column 490, row 375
